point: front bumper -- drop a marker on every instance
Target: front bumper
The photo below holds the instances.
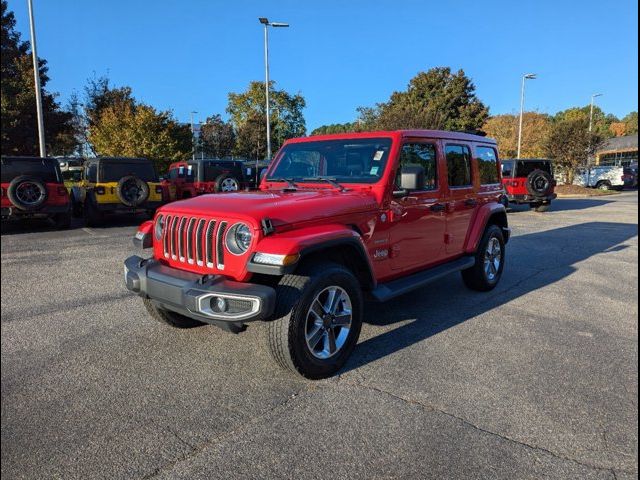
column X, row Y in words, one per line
column 11, row 213
column 531, row 198
column 197, row 296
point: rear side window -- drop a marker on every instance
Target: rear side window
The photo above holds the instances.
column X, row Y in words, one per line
column 423, row 154
column 458, row 165
column 488, row 165
column 45, row 170
column 114, row 171
column 507, row 168
column 92, row 173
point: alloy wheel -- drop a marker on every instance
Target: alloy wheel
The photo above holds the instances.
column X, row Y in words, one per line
column 328, row 322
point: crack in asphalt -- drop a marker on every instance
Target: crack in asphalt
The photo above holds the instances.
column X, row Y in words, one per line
column 432, row 408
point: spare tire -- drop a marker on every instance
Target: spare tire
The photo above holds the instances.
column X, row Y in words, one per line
column 539, row 183
column 132, row 191
column 227, row 183
column 27, row 193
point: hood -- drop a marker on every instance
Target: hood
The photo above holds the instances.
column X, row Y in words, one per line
column 280, row 206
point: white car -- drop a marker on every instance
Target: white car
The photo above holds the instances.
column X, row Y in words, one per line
column 601, row 177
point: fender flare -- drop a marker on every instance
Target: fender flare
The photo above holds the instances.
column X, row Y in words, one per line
column 492, row 213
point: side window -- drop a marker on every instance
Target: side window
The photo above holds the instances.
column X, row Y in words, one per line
column 507, row 168
column 488, row 165
column 458, row 165
column 91, row 172
column 423, row 154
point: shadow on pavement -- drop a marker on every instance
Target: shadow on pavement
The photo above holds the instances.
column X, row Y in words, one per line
column 44, row 225
column 435, row 312
column 564, row 204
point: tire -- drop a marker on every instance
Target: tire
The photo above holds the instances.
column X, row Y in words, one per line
column 62, row 221
column 172, row 319
column 132, row 191
column 27, row 193
column 477, row 277
column 539, row 183
column 227, row 183
column 603, row 185
column 92, row 216
column 287, row 334
column 543, row 207
column 76, row 207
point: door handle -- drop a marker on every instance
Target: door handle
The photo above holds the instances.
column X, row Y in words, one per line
column 471, row 202
column 438, row 207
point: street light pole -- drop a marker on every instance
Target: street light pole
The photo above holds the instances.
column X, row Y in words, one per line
column 266, row 23
column 528, row 76
column 193, row 138
column 36, row 77
column 593, row 97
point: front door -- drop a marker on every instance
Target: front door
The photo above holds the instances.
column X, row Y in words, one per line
column 419, row 218
column 461, row 200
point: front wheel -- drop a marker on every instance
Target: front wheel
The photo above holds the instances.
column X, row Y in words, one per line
column 487, row 271
column 317, row 320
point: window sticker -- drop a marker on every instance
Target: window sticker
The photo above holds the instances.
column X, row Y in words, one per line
column 374, row 171
column 378, row 156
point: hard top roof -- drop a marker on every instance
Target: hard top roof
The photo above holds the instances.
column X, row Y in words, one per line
column 439, row 134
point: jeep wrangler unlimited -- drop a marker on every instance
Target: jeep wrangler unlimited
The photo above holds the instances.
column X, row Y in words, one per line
column 117, row 185
column 529, row 181
column 32, row 187
column 337, row 219
column 197, row 177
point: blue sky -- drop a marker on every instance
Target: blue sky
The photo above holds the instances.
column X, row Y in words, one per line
column 188, row 55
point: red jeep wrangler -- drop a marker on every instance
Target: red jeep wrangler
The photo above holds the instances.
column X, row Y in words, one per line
column 197, row 177
column 33, row 187
column 337, row 218
column 529, row 180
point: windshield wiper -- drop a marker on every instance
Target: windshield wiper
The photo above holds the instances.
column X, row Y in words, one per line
column 330, row 180
column 288, row 181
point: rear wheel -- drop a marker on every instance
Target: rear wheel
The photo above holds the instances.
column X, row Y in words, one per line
column 487, row 271
column 317, row 320
column 227, row 183
column 603, row 185
column 170, row 318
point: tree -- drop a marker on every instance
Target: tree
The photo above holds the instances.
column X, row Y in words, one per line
column 631, row 123
column 118, row 125
column 19, row 129
column 437, row 99
column 337, row 128
column 247, row 112
column 601, row 121
column 618, row 129
column 535, row 130
column 570, row 144
column 217, row 137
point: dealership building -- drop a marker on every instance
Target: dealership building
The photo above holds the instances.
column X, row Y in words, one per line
column 619, row 151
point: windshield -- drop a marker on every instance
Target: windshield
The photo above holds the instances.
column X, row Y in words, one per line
column 346, row 161
column 45, row 170
column 114, row 171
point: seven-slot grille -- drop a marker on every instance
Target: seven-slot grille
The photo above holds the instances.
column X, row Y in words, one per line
column 194, row 240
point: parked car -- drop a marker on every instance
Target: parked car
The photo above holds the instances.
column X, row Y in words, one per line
column 32, row 187
column 197, row 177
column 337, row 218
column 117, row 186
column 602, row 177
column 71, row 169
column 529, row 181
column 630, row 175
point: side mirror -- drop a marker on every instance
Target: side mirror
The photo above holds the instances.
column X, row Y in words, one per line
column 411, row 177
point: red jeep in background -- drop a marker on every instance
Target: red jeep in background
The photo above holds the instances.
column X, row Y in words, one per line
column 33, row 187
column 197, row 177
column 529, row 181
column 337, row 219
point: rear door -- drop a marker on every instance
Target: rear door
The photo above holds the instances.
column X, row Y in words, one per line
column 461, row 195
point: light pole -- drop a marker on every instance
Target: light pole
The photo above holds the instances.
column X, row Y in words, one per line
column 267, row 23
column 528, row 76
column 36, row 77
column 593, row 97
column 193, row 137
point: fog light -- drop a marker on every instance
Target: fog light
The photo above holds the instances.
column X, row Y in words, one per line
column 218, row 304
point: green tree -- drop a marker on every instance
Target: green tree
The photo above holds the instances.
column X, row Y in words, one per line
column 601, row 121
column 247, row 112
column 631, row 123
column 437, row 99
column 19, row 126
column 217, row 137
column 535, row 130
column 570, row 144
column 337, row 128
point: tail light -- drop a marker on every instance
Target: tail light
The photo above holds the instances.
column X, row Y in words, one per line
column 100, row 190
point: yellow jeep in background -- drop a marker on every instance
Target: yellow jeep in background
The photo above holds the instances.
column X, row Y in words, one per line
column 111, row 185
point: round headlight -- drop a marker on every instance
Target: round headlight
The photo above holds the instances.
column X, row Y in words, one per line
column 159, row 227
column 239, row 239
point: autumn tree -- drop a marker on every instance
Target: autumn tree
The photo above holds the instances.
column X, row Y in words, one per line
column 436, row 99
column 19, row 126
column 570, row 144
column 601, row 121
column 247, row 112
column 535, row 130
column 631, row 123
column 217, row 137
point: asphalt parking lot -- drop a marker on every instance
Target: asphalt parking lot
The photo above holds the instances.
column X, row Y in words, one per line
column 537, row 379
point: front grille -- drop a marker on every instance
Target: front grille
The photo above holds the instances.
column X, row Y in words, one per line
column 194, row 240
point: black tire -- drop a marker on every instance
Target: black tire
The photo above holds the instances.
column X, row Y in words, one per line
column 92, row 216
column 476, row 277
column 603, row 185
column 76, row 207
column 173, row 319
column 543, row 207
column 62, row 221
column 539, row 183
column 286, row 333
column 27, row 193
column 132, row 191
column 227, row 183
